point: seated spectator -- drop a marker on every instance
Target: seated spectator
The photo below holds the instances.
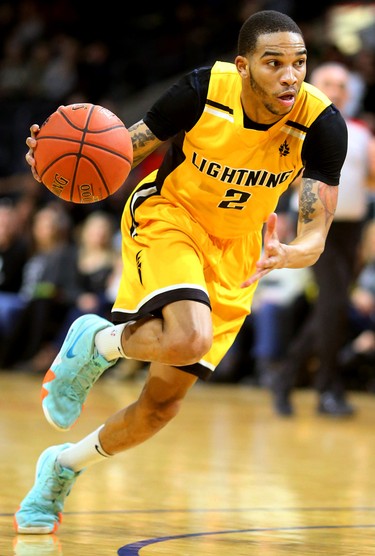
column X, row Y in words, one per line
column 96, row 257
column 13, row 256
column 49, row 288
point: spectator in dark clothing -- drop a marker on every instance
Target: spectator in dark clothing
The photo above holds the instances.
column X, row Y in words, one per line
column 49, row 288
column 96, row 259
column 13, row 256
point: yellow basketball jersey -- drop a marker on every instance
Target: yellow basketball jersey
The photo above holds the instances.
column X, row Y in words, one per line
column 194, row 231
column 232, row 177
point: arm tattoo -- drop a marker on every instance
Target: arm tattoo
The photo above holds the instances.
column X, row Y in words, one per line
column 307, row 200
column 142, row 137
column 144, row 142
column 327, row 195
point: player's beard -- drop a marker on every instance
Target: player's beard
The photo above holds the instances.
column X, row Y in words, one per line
column 263, row 96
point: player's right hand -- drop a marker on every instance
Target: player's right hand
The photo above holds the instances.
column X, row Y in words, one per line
column 31, row 143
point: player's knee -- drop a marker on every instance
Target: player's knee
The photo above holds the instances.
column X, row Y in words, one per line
column 189, row 348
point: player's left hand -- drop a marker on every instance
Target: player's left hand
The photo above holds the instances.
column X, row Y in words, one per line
column 274, row 253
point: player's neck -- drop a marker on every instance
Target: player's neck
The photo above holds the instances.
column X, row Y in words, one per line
column 259, row 115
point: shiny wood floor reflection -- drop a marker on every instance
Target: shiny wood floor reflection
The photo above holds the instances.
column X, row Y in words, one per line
column 227, row 477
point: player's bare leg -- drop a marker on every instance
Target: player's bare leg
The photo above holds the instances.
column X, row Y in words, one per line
column 158, row 403
column 165, row 387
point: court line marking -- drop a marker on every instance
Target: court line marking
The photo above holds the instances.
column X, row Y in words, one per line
column 134, row 548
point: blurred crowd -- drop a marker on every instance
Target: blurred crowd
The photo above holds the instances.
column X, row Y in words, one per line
column 59, row 260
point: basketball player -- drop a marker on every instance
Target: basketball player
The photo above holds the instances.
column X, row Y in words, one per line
column 192, row 242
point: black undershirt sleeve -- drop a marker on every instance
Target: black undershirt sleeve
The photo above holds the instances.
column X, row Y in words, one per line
column 181, row 106
column 325, row 147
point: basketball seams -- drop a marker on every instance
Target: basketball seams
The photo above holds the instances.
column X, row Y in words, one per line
column 105, row 130
column 98, row 170
column 86, row 144
column 93, row 110
column 81, row 156
column 86, row 126
column 85, row 177
column 57, row 138
column 70, row 122
column 109, row 151
column 76, row 186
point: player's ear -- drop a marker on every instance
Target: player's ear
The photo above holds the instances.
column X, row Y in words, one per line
column 242, row 66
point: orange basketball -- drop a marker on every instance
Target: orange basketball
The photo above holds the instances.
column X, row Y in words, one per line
column 84, row 153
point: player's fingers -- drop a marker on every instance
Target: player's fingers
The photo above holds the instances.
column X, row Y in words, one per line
column 271, row 225
column 31, row 162
column 30, row 159
column 34, row 128
column 31, row 142
column 36, row 177
column 255, row 277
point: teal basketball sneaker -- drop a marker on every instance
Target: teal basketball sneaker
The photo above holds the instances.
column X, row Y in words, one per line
column 40, row 511
column 76, row 368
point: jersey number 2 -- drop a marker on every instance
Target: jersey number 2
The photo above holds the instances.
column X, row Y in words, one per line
column 236, row 199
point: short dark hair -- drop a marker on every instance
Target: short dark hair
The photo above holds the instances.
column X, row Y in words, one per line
column 262, row 23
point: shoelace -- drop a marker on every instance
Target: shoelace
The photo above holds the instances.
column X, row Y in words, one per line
column 83, row 381
column 57, row 487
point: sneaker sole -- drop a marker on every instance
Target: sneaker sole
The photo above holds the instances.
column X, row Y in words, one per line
column 52, row 423
column 35, row 530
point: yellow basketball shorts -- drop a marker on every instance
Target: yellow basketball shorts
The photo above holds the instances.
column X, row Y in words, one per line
column 168, row 257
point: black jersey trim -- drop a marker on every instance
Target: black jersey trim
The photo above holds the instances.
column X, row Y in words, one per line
column 197, row 369
column 154, row 306
column 220, row 106
column 296, row 125
column 140, row 195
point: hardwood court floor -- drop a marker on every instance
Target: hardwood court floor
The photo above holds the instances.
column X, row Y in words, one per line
column 226, row 477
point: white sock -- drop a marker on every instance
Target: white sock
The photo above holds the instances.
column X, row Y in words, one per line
column 84, row 453
column 108, row 341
